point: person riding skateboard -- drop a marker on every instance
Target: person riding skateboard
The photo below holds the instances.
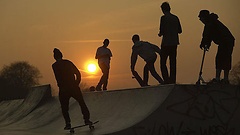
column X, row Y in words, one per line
column 68, row 79
column 147, row 52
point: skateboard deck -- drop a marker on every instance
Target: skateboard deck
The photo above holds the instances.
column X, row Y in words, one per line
column 91, row 127
column 138, row 78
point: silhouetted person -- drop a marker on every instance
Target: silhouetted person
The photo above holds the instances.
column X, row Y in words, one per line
column 103, row 55
column 147, row 52
column 68, row 78
column 217, row 32
column 170, row 27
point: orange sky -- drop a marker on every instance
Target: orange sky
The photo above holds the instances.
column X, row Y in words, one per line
column 29, row 30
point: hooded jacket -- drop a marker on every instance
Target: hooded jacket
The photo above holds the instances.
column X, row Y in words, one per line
column 145, row 50
column 215, row 31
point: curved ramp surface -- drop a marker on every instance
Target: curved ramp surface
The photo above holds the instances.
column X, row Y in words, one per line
column 13, row 111
column 193, row 110
column 155, row 110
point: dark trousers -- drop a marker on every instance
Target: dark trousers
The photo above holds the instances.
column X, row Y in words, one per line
column 104, row 79
column 65, row 94
column 150, row 67
column 223, row 59
column 171, row 52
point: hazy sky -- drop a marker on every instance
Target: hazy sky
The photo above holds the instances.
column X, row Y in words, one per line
column 30, row 29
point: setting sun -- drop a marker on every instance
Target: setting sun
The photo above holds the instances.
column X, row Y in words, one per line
column 92, row 68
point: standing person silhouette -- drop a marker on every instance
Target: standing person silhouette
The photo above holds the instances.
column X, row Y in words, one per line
column 147, row 52
column 68, row 79
column 217, row 32
column 170, row 27
column 103, row 55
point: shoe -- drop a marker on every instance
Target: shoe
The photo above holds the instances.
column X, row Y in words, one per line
column 98, row 88
column 214, row 81
column 223, row 81
column 88, row 122
column 67, row 127
column 165, row 82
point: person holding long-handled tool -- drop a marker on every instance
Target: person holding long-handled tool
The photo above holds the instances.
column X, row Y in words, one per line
column 216, row 31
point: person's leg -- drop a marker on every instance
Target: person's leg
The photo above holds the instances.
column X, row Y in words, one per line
column 153, row 72
column 101, row 81
column 223, row 61
column 218, row 60
column 105, row 76
column 173, row 63
column 226, row 74
column 218, row 74
column 77, row 95
column 227, row 62
column 218, row 66
column 64, row 101
column 163, row 62
column 145, row 74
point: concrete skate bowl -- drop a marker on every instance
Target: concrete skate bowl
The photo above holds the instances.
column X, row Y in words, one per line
column 193, row 110
column 164, row 110
column 116, row 110
column 14, row 111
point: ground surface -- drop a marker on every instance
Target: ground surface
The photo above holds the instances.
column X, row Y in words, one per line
column 155, row 110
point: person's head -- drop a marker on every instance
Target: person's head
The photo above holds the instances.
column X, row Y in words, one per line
column 57, row 54
column 204, row 16
column 135, row 38
column 106, row 42
column 165, row 7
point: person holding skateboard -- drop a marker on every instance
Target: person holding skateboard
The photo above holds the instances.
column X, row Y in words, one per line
column 68, row 79
column 147, row 52
column 103, row 55
column 170, row 27
column 216, row 31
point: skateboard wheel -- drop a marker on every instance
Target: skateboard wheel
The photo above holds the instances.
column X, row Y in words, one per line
column 91, row 127
column 71, row 130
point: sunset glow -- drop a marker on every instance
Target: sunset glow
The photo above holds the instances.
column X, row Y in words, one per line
column 78, row 28
column 92, row 68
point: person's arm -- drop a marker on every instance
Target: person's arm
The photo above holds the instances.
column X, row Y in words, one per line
column 56, row 74
column 161, row 31
column 179, row 27
column 156, row 48
column 133, row 60
column 77, row 73
column 110, row 53
column 206, row 38
column 96, row 56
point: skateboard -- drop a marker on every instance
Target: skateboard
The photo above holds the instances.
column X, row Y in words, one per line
column 138, row 78
column 91, row 127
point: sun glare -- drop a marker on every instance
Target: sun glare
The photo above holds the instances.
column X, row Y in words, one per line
column 92, row 68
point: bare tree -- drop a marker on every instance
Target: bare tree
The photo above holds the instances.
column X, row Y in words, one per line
column 21, row 75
